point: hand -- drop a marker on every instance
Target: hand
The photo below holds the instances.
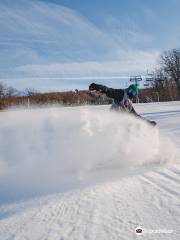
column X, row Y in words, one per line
column 97, row 87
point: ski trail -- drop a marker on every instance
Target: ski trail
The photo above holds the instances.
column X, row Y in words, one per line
column 107, row 211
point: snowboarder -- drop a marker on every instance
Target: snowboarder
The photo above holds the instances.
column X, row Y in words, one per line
column 122, row 98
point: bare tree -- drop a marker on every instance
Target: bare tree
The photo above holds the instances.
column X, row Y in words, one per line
column 6, row 91
column 170, row 63
column 163, row 87
column 11, row 92
column 30, row 91
column 2, row 89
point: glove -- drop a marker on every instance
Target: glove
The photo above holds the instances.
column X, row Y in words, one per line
column 94, row 86
column 97, row 87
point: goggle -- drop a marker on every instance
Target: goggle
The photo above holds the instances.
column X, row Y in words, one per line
column 133, row 92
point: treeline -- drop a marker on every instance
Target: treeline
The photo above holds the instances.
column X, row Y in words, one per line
column 161, row 93
column 70, row 98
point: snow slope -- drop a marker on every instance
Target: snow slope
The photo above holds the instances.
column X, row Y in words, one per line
column 87, row 173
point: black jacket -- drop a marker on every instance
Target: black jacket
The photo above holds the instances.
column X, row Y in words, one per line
column 116, row 94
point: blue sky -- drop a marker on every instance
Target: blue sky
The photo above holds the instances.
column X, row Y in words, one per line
column 158, row 19
column 65, row 44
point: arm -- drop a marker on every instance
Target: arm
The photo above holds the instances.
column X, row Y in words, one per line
column 110, row 92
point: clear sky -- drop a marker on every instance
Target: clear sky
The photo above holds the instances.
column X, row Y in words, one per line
column 65, row 44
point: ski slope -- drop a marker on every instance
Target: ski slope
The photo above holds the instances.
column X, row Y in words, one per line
column 87, row 173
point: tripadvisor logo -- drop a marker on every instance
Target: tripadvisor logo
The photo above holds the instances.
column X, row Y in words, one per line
column 139, row 231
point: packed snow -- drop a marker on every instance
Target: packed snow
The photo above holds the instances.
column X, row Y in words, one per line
column 89, row 173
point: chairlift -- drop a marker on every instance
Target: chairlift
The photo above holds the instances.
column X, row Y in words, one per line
column 135, row 79
column 149, row 79
column 132, row 79
column 150, row 74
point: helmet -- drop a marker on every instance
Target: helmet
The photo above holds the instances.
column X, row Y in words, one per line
column 133, row 89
